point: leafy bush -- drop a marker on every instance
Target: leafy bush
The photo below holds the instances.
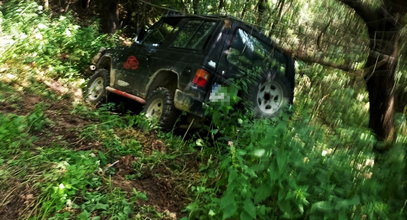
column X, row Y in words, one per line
column 13, row 133
column 72, row 174
column 15, row 130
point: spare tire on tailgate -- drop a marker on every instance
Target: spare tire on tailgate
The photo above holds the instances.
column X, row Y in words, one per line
column 269, row 95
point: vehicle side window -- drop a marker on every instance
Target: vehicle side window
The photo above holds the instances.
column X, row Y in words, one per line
column 247, row 51
column 158, row 34
column 194, row 34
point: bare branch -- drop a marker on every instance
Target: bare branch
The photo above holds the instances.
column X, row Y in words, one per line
column 311, row 59
column 345, row 67
column 397, row 6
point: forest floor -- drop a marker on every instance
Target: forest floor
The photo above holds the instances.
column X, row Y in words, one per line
column 154, row 174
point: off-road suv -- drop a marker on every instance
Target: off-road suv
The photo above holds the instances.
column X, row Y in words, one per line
column 181, row 61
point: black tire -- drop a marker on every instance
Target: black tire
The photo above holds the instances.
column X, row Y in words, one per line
column 95, row 93
column 160, row 104
column 269, row 96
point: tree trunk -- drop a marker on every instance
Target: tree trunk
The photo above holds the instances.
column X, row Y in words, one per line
column 46, row 4
column 195, row 6
column 109, row 12
column 380, row 86
column 280, row 6
column 85, row 3
column 384, row 26
column 261, row 9
column 245, row 7
column 384, row 44
column 221, row 5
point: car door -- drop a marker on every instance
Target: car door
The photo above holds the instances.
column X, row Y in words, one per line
column 151, row 46
column 131, row 64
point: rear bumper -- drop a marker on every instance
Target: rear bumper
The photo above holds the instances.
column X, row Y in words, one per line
column 186, row 102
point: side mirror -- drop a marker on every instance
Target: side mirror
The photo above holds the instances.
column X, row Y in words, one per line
column 136, row 40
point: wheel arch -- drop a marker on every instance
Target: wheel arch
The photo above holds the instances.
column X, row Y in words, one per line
column 105, row 62
column 163, row 78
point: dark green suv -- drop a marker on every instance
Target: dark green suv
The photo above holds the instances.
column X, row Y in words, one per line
column 180, row 63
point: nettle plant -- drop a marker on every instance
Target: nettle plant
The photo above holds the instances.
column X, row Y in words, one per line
column 285, row 167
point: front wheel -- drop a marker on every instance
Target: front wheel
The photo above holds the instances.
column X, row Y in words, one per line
column 160, row 105
column 95, row 93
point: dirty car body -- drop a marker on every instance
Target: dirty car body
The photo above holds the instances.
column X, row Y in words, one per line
column 190, row 56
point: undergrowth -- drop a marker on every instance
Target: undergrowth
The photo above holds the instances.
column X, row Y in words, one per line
column 317, row 163
column 72, row 183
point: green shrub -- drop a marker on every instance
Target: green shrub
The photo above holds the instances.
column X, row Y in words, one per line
column 13, row 134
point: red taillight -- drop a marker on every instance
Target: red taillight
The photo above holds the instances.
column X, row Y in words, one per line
column 201, row 78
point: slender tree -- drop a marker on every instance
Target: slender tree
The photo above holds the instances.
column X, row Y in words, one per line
column 84, row 3
column 261, row 10
column 221, row 4
column 195, row 6
column 109, row 14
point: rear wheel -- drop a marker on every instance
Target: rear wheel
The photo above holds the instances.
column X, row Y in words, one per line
column 160, row 105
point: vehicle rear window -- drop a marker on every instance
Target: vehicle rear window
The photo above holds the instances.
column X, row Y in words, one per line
column 248, row 52
column 194, row 34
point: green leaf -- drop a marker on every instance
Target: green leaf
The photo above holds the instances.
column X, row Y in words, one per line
column 232, row 177
column 285, row 206
column 300, row 208
column 249, row 208
column 245, row 216
column 262, row 192
column 211, row 213
column 323, row 206
column 100, row 206
column 281, row 163
column 228, row 205
column 84, row 215
column 347, row 202
column 199, row 142
column 103, row 158
column 259, row 152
